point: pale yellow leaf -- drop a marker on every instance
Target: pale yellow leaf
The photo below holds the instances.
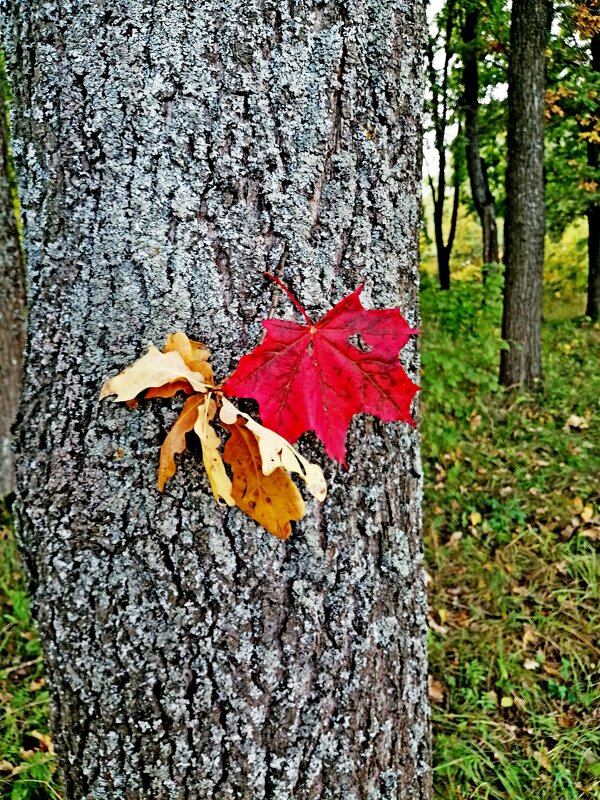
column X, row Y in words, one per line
column 475, row 517
column 153, row 369
column 220, row 482
column 194, row 354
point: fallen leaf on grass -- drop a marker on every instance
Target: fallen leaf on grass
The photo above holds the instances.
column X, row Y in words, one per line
column 543, row 759
column 593, row 534
column 442, row 630
column 575, row 422
column 529, row 637
column 436, row 690
column 45, row 741
column 475, row 517
column 272, row 500
column 587, row 513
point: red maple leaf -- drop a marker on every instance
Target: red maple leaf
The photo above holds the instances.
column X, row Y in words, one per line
column 311, row 377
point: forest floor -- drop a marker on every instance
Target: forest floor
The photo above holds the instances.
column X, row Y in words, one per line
column 512, row 533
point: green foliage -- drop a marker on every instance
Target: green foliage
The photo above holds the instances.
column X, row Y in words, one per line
column 511, row 514
column 27, row 763
column 572, row 118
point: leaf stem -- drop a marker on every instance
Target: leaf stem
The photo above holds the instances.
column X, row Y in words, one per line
column 290, row 295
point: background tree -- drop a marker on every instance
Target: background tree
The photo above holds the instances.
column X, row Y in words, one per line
column 573, row 133
column 167, row 156
column 476, row 165
column 12, row 301
column 524, row 229
column 441, row 108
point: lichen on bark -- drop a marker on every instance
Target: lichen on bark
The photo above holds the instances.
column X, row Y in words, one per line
column 167, row 156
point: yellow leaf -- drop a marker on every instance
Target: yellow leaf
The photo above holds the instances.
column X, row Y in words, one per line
column 175, row 439
column 213, row 463
column 277, row 452
column 475, row 517
column 194, row 354
column 587, row 513
column 506, row 702
column 152, row 370
column 272, row 500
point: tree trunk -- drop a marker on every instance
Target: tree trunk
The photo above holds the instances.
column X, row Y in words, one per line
column 12, row 305
column 476, row 167
column 593, row 214
column 168, row 155
column 524, row 224
column 440, row 92
column 593, row 295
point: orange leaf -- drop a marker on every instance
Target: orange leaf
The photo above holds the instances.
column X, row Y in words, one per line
column 175, row 441
column 271, row 500
column 169, row 389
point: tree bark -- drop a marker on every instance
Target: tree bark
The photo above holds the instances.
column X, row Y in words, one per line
column 476, row 167
column 593, row 158
column 524, row 222
column 12, row 305
column 168, row 154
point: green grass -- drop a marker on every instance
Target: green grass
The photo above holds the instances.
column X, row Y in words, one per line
column 511, row 528
column 27, row 763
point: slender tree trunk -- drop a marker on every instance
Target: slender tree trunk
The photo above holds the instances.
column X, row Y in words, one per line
column 480, row 190
column 593, row 214
column 440, row 117
column 444, row 249
column 168, row 155
column 524, row 226
column 12, row 305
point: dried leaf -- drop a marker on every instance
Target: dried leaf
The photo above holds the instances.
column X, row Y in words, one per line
column 276, row 452
column 168, row 390
column 152, row 370
column 475, row 517
column 194, row 354
column 543, row 759
column 174, row 442
column 213, row 463
column 436, row 690
column 44, row 739
column 577, row 423
column 272, row 500
column 593, row 534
